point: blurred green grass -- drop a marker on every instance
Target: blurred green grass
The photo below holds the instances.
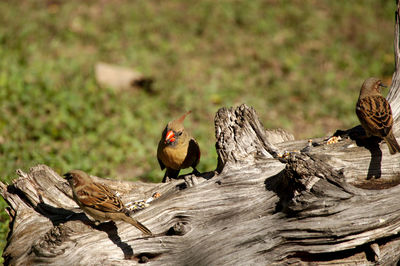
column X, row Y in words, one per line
column 299, row 63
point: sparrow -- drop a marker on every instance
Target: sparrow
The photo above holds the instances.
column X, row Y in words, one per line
column 98, row 201
column 177, row 149
column 375, row 114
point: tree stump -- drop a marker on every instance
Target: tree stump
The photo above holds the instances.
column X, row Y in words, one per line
column 271, row 200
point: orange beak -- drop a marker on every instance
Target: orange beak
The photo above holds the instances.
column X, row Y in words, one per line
column 169, row 137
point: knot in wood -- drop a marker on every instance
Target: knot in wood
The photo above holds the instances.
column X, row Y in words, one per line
column 179, row 229
column 144, row 259
column 49, row 244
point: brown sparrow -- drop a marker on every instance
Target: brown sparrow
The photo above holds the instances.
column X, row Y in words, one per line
column 98, row 201
column 177, row 149
column 375, row 114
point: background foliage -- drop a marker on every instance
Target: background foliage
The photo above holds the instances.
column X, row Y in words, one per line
column 299, row 63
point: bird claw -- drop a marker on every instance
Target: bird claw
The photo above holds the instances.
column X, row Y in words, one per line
column 195, row 172
column 191, row 180
column 166, row 179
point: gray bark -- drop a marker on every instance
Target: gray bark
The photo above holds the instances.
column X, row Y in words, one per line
column 268, row 202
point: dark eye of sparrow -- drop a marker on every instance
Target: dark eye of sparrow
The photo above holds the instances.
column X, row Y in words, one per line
column 179, row 133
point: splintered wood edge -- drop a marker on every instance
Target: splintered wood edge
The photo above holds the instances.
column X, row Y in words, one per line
column 241, row 137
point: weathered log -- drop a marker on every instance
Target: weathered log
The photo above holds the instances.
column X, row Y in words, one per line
column 267, row 202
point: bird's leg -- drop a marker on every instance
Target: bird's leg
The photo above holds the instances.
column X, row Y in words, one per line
column 169, row 174
column 166, row 178
column 195, row 172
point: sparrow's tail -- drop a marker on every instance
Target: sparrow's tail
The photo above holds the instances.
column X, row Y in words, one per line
column 127, row 218
column 138, row 225
column 392, row 143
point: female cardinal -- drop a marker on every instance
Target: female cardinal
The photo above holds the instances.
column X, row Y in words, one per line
column 177, row 149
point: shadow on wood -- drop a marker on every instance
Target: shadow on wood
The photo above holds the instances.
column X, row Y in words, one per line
column 267, row 202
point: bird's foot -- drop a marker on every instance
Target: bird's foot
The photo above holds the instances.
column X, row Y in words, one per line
column 195, row 172
column 166, row 179
column 191, row 180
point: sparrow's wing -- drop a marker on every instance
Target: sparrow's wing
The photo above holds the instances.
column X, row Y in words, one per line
column 375, row 111
column 101, row 198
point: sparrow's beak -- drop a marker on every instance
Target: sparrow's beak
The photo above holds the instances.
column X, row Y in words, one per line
column 169, row 137
column 67, row 176
column 383, row 85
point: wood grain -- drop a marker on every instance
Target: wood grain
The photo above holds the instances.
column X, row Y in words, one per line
column 271, row 200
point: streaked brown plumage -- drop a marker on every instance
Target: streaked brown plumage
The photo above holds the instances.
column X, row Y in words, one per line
column 375, row 114
column 98, row 201
column 177, row 149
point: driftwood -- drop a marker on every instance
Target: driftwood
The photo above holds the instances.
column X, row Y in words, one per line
column 268, row 202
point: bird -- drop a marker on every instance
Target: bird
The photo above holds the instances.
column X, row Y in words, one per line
column 177, row 149
column 375, row 114
column 98, row 201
